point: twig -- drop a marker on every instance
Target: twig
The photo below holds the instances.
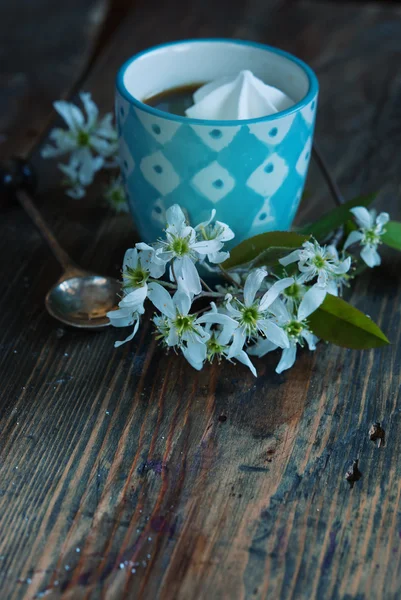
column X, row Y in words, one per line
column 227, row 276
column 331, row 183
column 167, row 284
column 209, row 295
column 205, row 285
column 173, row 272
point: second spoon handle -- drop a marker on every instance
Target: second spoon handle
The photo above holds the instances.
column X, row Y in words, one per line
column 61, row 255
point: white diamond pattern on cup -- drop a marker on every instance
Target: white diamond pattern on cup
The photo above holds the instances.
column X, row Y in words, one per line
column 269, row 176
column 303, row 161
column 273, row 132
column 159, row 213
column 214, row 182
column 216, row 138
column 160, row 173
column 264, row 217
column 308, row 112
column 163, row 130
column 126, row 160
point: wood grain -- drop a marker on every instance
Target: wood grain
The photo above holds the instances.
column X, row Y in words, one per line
column 44, row 50
column 126, row 474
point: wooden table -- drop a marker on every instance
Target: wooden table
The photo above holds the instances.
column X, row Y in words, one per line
column 125, row 473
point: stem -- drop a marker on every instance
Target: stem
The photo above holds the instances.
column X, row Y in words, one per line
column 205, row 285
column 173, row 272
column 209, row 295
column 167, row 284
column 331, row 183
column 227, row 276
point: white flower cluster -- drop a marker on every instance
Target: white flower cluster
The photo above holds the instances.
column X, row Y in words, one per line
column 371, row 228
column 90, row 143
column 263, row 314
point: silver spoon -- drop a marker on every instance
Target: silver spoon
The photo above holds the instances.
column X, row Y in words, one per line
column 79, row 298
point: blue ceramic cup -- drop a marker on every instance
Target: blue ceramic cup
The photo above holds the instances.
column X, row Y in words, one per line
column 251, row 171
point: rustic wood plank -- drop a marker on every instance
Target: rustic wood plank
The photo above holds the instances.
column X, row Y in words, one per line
column 177, row 484
column 44, row 51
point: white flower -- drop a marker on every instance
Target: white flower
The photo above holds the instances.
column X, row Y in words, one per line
column 252, row 314
column 137, row 268
column 182, row 248
column 115, row 195
column 124, row 317
column 371, row 228
column 295, row 326
column 218, row 345
column 219, row 232
column 76, row 179
column 178, row 328
column 85, row 139
column 317, row 261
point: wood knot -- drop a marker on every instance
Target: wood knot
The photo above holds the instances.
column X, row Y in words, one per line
column 377, row 434
column 353, row 474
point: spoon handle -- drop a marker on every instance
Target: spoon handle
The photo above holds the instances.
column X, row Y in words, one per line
column 61, row 255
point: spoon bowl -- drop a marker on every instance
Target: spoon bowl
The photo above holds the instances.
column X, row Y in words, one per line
column 83, row 299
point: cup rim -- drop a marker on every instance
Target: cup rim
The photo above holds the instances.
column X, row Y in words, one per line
column 311, row 94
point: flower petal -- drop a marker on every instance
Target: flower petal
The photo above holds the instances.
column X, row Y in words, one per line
column 274, row 333
column 218, row 318
column 204, row 247
column 274, row 292
column 161, row 299
column 362, row 216
column 185, row 268
column 206, row 223
column 90, row 108
column 311, row 301
column 252, row 285
column 382, row 219
column 71, row 114
column 182, row 301
column 243, row 358
column 353, row 238
column 280, row 310
column 106, row 128
column 130, row 337
column 287, row 358
column 175, row 219
column 343, row 267
column 135, row 299
column 195, row 353
column 261, row 347
column 239, row 339
column 104, row 147
column 290, row 258
column 371, row 256
column 122, row 317
column 218, row 257
column 227, row 234
column 87, row 167
column 310, row 339
column 130, row 259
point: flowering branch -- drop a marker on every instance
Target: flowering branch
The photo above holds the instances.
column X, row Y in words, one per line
column 282, row 290
column 258, row 312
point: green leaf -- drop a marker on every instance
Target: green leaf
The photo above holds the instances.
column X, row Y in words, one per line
column 392, row 236
column 338, row 322
column 335, row 218
column 272, row 241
